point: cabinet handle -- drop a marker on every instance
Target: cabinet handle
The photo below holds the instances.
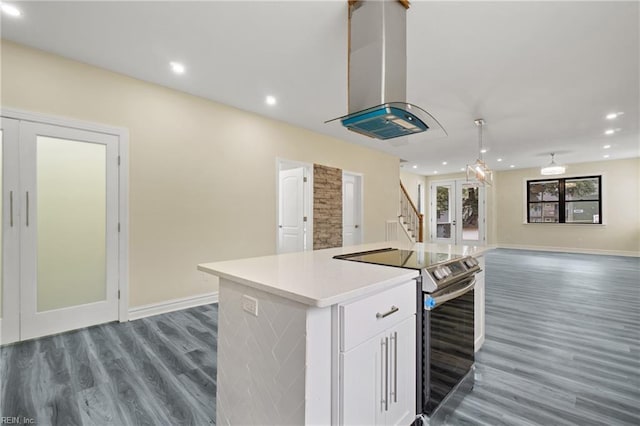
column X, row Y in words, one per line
column 393, row 310
column 386, row 375
column 395, row 366
column 27, row 208
column 11, row 208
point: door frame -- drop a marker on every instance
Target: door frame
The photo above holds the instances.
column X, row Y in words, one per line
column 360, row 177
column 482, row 213
column 457, row 211
column 307, row 199
column 123, row 188
column 433, row 200
column 11, row 236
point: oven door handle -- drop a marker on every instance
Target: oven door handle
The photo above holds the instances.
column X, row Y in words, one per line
column 438, row 300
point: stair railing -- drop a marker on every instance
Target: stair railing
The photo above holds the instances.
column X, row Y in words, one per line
column 412, row 218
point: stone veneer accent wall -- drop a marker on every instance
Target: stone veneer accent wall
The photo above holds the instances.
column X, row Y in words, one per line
column 327, row 207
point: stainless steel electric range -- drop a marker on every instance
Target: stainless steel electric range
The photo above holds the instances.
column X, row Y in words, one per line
column 445, row 325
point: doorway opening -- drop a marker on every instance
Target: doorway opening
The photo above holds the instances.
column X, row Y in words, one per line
column 458, row 212
column 64, row 225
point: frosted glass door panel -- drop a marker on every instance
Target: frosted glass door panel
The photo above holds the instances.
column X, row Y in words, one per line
column 69, row 230
column 71, row 223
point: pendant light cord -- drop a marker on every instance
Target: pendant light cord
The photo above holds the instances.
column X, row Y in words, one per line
column 480, row 140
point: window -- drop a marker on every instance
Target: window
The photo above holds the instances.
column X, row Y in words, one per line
column 571, row 200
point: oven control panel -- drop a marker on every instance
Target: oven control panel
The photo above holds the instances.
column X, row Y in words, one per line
column 446, row 273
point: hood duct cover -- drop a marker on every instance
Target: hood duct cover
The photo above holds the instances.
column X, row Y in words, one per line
column 378, row 73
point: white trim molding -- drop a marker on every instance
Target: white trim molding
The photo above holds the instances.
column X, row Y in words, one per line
column 138, row 312
column 571, row 250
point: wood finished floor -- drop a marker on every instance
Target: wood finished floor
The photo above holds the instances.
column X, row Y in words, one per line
column 562, row 342
column 562, row 348
column 154, row 371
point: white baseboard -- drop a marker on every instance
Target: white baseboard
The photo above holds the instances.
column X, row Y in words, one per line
column 138, row 312
column 571, row 250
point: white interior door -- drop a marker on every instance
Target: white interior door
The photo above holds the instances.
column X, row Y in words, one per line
column 291, row 210
column 351, row 209
column 458, row 212
column 443, row 220
column 9, row 233
column 69, row 229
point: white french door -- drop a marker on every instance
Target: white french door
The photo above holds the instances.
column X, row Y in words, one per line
column 64, row 215
column 458, row 212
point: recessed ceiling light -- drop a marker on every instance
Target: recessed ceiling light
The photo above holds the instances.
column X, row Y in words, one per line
column 606, row 146
column 606, row 156
column 614, row 115
column 444, row 163
column 415, row 167
column 512, row 166
column 609, row 132
column 10, row 10
column 462, row 169
column 435, row 172
column 483, row 150
column 177, row 67
column 270, row 100
column 499, row 160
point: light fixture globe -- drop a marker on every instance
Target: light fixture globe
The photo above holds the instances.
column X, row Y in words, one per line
column 479, row 171
column 553, row 168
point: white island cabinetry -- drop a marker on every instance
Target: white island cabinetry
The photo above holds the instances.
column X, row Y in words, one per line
column 305, row 339
column 377, row 361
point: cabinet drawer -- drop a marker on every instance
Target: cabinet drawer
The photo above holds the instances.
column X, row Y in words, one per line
column 364, row 318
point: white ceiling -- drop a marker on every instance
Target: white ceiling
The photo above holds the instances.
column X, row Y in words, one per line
column 542, row 74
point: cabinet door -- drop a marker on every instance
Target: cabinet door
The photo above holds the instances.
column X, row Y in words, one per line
column 402, row 373
column 363, row 368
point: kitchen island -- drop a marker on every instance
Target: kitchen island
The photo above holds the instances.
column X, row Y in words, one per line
column 296, row 338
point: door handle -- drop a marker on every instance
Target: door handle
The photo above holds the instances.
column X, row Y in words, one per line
column 386, row 374
column 27, row 208
column 11, row 208
column 393, row 310
column 279, row 226
column 357, row 226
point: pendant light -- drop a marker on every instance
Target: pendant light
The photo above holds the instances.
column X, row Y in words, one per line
column 552, row 168
column 479, row 169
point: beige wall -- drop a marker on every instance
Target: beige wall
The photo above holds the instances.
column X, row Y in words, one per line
column 621, row 202
column 202, row 174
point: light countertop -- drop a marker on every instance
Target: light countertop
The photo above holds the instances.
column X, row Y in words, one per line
column 316, row 279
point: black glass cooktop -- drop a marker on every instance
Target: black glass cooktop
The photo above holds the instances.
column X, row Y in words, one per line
column 400, row 258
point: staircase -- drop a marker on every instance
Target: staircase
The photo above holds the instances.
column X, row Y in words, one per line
column 411, row 220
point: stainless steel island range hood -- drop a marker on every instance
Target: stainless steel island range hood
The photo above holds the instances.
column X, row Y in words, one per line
column 378, row 73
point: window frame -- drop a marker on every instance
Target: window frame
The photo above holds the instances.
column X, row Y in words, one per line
column 562, row 202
